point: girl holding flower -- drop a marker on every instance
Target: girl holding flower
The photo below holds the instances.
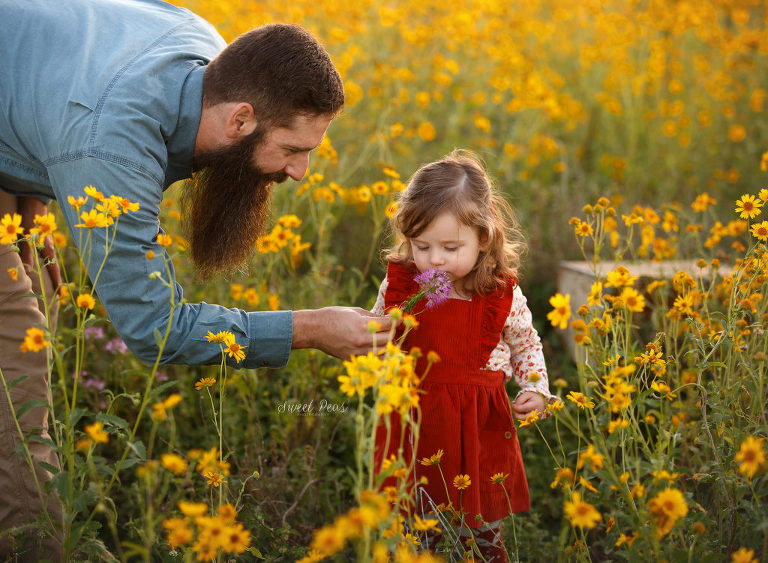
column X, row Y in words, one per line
column 451, row 219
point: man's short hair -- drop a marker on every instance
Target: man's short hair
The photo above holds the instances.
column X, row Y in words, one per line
column 281, row 70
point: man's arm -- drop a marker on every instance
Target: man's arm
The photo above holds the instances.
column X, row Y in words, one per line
column 137, row 305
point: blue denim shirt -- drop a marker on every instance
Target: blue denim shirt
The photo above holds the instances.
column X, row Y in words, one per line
column 108, row 93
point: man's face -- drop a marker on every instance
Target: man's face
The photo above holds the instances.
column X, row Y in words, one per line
column 227, row 202
column 286, row 149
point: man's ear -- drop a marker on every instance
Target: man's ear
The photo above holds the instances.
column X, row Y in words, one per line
column 241, row 121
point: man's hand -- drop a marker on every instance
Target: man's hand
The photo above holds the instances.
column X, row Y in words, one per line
column 28, row 208
column 338, row 331
column 526, row 403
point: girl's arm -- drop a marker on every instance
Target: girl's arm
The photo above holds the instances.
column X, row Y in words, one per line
column 526, row 354
column 378, row 307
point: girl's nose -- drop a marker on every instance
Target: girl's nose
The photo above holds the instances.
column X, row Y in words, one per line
column 436, row 258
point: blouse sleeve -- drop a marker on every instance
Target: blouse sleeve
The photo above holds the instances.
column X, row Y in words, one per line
column 526, row 354
column 378, row 307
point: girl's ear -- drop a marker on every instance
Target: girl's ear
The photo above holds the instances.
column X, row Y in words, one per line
column 483, row 241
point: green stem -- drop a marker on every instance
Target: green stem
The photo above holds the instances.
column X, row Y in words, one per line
column 27, row 454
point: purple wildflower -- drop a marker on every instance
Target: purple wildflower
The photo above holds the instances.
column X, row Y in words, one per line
column 95, row 383
column 116, row 346
column 94, row 333
column 434, row 285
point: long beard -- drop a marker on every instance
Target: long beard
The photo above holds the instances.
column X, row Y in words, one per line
column 225, row 206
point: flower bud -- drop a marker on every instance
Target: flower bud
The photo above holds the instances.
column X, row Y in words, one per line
column 395, row 313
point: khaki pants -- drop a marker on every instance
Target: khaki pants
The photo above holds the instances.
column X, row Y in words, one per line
column 20, row 502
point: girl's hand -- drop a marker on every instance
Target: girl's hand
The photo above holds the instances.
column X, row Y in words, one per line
column 526, row 403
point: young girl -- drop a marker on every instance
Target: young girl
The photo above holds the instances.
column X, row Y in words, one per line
column 450, row 218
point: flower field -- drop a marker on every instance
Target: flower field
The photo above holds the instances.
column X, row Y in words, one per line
column 620, row 131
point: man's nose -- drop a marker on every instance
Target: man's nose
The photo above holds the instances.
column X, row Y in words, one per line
column 297, row 167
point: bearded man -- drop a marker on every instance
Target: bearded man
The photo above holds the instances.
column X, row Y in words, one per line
column 129, row 97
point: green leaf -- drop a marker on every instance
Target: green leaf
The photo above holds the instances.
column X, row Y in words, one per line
column 20, row 451
column 131, row 549
column 34, row 403
column 60, row 482
column 158, row 337
column 113, row 420
column 98, row 551
column 131, row 461
column 78, row 530
column 48, row 467
column 76, row 415
column 160, row 388
column 139, row 449
column 83, row 500
column 47, row 441
column 11, row 384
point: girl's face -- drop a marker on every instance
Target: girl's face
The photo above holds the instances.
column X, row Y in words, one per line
column 449, row 246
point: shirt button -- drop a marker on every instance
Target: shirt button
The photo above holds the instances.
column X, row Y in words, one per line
column 507, row 434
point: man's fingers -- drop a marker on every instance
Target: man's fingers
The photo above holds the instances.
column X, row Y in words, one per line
column 365, row 312
column 26, row 254
column 384, row 321
column 49, row 254
column 381, row 339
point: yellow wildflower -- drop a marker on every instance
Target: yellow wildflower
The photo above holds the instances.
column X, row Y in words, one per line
column 219, row 337
column 461, row 482
column 92, row 219
column 96, row 432
column 174, row 463
column 86, row 301
column 193, row 509
column 581, row 514
column 743, row 555
column 751, row 456
column 667, row 507
column 580, row 399
column 434, row 459
column 235, row 539
column 10, row 228
column 45, row 225
column 564, row 477
column 748, row 207
column 590, row 455
column 561, row 310
column 214, row 478
column 205, row 382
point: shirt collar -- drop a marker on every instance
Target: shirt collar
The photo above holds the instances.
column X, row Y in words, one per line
column 181, row 144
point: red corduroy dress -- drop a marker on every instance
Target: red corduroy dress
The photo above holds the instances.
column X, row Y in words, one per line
column 465, row 409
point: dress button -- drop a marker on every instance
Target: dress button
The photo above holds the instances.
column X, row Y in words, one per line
column 507, row 434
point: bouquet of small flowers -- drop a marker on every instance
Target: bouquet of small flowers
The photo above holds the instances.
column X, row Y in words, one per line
column 434, row 286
